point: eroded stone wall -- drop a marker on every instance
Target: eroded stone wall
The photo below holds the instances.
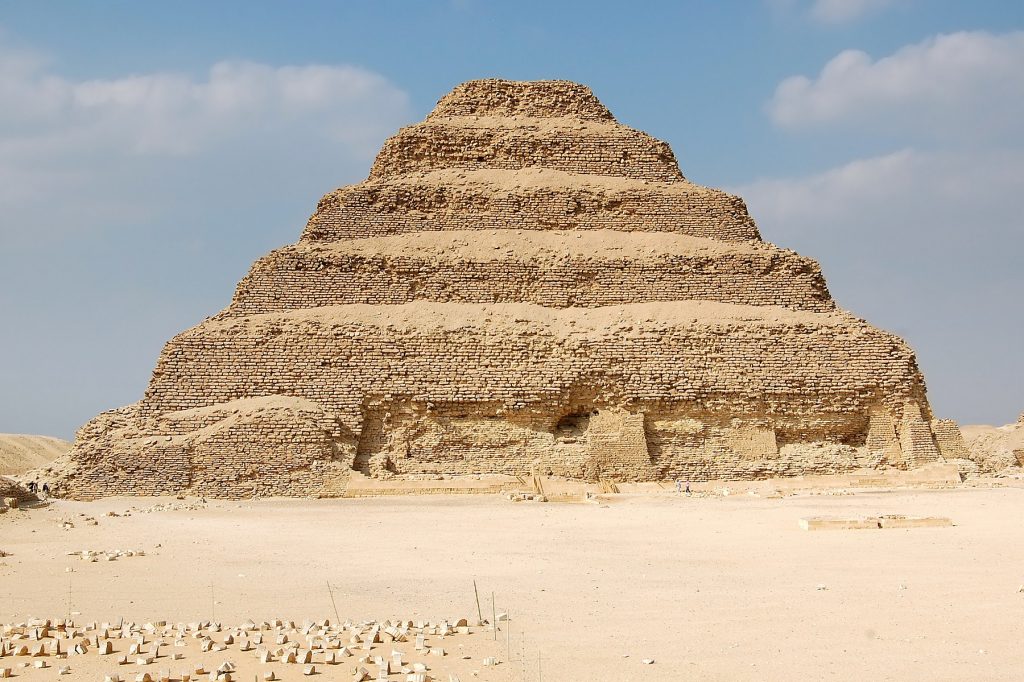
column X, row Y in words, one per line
column 303, row 277
column 550, row 200
column 246, row 448
column 569, row 146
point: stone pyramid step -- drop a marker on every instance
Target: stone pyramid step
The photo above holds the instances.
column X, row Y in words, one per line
column 557, row 269
column 530, row 199
column 512, row 144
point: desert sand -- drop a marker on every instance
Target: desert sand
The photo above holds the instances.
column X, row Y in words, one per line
column 20, row 453
column 711, row 587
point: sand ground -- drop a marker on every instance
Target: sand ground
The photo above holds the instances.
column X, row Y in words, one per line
column 711, row 588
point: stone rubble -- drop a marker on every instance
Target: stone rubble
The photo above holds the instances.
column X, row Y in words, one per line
column 313, row 648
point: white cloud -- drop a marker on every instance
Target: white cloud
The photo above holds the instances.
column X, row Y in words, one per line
column 173, row 113
column 59, row 134
column 895, row 199
column 842, row 11
column 927, row 244
column 131, row 205
column 925, row 240
column 967, row 85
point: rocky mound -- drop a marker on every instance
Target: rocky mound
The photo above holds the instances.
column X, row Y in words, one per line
column 995, row 448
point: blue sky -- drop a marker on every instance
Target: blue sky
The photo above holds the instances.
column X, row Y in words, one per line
column 149, row 152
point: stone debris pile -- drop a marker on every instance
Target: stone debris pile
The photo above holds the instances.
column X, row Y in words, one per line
column 12, row 494
column 398, row 650
column 94, row 555
column 873, row 522
column 522, row 286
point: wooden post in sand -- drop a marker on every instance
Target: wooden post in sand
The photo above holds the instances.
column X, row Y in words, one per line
column 337, row 618
column 494, row 618
column 508, row 638
column 479, row 614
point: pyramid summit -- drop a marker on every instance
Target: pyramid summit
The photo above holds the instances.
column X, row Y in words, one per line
column 522, row 285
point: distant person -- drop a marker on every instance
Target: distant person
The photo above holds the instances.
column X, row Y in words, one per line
column 46, row 490
column 679, row 485
column 32, row 487
column 687, row 488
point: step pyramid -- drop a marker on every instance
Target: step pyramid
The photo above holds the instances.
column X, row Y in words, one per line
column 521, row 286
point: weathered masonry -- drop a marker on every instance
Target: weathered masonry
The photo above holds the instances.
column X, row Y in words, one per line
column 521, row 286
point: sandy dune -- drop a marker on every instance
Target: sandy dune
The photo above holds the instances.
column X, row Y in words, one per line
column 19, row 453
column 717, row 588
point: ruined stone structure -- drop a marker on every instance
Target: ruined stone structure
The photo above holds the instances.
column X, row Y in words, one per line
column 522, row 286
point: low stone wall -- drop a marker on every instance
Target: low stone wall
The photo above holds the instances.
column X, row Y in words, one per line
column 257, row 447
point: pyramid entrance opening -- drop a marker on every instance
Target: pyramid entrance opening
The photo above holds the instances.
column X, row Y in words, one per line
column 572, row 428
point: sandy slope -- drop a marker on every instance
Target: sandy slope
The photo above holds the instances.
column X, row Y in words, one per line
column 714, row 589
column 996, row 447
column 19, row 453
